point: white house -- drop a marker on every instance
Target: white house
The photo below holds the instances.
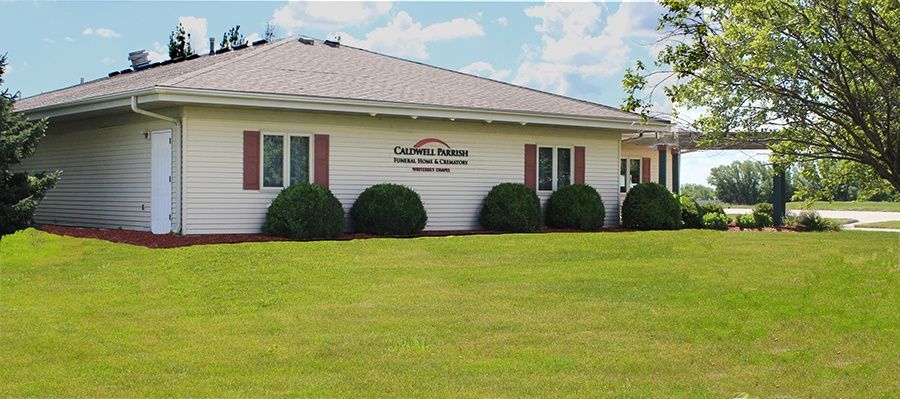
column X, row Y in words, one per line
column 202, row 145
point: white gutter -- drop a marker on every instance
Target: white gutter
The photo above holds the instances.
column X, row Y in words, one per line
column 367, row 107
column 135, row 108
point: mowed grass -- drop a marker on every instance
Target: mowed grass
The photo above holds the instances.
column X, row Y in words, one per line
column 889, row 224
column 696, row 314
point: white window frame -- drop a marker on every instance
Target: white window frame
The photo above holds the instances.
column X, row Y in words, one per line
column 554, row 178
column 628, row 172
column 285, row 159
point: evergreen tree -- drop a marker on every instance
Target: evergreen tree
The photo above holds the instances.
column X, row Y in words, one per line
column 19, row 192
column 232, row 38
column 180, row 43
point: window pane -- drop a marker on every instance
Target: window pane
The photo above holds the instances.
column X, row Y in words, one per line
column 299, row 160
column 563, row 167
column 273, row 161
column 623, row 173
column 545, row 168
column 635, row 172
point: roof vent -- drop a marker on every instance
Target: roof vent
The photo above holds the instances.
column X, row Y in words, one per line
column 306, row 40
column 139, row 58
column 334, row 41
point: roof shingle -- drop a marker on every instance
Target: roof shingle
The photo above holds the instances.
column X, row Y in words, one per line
column 289, row 67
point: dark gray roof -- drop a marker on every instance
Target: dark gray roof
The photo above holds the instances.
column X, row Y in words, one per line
column 289, row 67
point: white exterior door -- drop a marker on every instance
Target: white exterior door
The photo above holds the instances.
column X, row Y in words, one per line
column 161, row 182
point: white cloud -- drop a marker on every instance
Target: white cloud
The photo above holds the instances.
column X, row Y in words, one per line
column 48, row 40
column 107, row 61
column 404, row 37
column 502, row 21
column 69, row 39
column 9, row 69
column 582, row 42
column 327, row 15
column 105, row 33
column 253, row 37
column 159, row 53
column 486, row 70
column 196, row 27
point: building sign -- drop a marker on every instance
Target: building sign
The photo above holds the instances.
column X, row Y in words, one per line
column 431, row 155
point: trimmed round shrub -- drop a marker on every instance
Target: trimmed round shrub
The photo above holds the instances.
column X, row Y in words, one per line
column 511, row 207
column 746, row 221
column 650, row 206
column 577, row 206
column 388, row 209
column 690, row 213
column 764, row 213
column 715, row 221
column 712, row 207
column 304, row 211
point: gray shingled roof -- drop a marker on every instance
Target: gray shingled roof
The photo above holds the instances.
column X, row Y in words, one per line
column 290, row 67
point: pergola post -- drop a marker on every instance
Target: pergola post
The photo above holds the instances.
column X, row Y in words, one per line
column 778, row 196
column 676, row 170
column 662, row 164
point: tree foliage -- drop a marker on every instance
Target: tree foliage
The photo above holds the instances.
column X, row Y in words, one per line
column 743, row 182
column 812, row 79
column 232, row 38
column 180, row 43
column 837, row 180
column 698, row 191
column 20, row 192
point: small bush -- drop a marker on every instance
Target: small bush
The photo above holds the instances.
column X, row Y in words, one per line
column 764, row 212
column 304, row 211
column 576, row 206
column 712, row 207
column 812, row 221
column 691, row 218
column 746, row 221
column 388, row 209
column 511, row 207
column 715, row 221
column 650, row 206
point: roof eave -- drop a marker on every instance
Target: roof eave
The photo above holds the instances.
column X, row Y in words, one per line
column 339, row 105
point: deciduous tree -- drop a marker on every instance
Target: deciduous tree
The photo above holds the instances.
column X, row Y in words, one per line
column 180, row 43
column 812, row 79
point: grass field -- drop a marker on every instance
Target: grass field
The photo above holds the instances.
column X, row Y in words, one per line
column 890, row 224
column 835, row 206
column 696, row 314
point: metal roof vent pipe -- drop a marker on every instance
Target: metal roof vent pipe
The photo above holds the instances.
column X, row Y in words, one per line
column 212, row 46
column 139, row 59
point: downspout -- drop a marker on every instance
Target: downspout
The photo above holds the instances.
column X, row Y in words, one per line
column 177, row 123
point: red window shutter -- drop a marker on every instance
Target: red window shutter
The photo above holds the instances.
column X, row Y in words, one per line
column 320, row 165
column 579, row 165
column 531, row 166
column 251, row 160
column 645, row 170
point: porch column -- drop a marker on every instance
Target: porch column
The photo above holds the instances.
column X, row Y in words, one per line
column 676, row 170
column 662, row 164
column 778, row 196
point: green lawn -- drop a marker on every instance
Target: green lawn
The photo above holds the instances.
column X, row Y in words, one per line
column 696, row 314
column 835, row 206
column 890, row 224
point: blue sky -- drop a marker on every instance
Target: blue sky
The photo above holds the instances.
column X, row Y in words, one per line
column 575, row 49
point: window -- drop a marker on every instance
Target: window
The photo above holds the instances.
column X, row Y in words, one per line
column 280, row 166
column 554, row 168
column 629, row 174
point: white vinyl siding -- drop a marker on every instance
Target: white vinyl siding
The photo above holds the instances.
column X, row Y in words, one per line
column 105, row 179
column 361, row 154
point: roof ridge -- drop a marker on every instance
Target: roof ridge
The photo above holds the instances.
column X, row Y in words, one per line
column 494, row 80
column 190, row 75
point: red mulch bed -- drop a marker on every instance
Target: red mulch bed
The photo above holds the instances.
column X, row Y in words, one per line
column 171, row 240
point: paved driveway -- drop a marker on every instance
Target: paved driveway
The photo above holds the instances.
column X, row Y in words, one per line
column 860, row 216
